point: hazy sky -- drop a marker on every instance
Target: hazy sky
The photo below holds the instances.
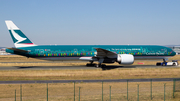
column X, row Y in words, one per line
column 93, row 22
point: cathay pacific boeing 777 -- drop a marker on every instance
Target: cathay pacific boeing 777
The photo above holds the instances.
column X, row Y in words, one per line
column 123, row 54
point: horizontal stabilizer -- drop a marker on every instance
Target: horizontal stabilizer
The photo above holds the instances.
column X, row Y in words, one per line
column 18, row 50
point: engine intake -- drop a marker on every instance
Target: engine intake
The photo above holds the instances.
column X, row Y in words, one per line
column 125, row 59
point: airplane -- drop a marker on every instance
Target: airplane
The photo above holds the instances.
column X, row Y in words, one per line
column 122, row 54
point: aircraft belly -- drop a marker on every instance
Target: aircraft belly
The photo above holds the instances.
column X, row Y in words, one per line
column 151, row 57
column 59, row 58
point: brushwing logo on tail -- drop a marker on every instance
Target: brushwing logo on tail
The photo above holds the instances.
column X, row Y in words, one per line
column 17, row 37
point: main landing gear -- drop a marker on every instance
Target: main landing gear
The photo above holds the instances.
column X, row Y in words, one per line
column 100, row 65
column 91, row 64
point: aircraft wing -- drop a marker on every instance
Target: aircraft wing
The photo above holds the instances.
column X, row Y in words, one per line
column 102, row 53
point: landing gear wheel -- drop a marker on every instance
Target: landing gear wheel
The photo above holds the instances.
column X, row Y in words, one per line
column 98, row 65
column 103, row 66
column 89, row 64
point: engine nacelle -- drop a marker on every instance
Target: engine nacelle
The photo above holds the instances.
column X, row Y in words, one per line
column 125, row 59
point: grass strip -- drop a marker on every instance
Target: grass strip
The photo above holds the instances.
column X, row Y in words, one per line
column 89, row 91
column 94, row 74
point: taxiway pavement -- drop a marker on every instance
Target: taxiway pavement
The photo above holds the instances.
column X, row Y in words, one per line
column 80, row 67
column 88, row 81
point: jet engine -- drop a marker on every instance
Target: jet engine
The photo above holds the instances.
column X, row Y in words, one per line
column 125, row 59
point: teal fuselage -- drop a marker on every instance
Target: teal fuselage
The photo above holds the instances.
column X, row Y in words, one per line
column 76, row 51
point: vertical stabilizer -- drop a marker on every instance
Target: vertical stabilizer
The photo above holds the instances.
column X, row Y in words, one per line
column 18, row 37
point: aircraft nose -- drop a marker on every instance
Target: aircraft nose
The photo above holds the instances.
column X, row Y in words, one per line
column 173, row 53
